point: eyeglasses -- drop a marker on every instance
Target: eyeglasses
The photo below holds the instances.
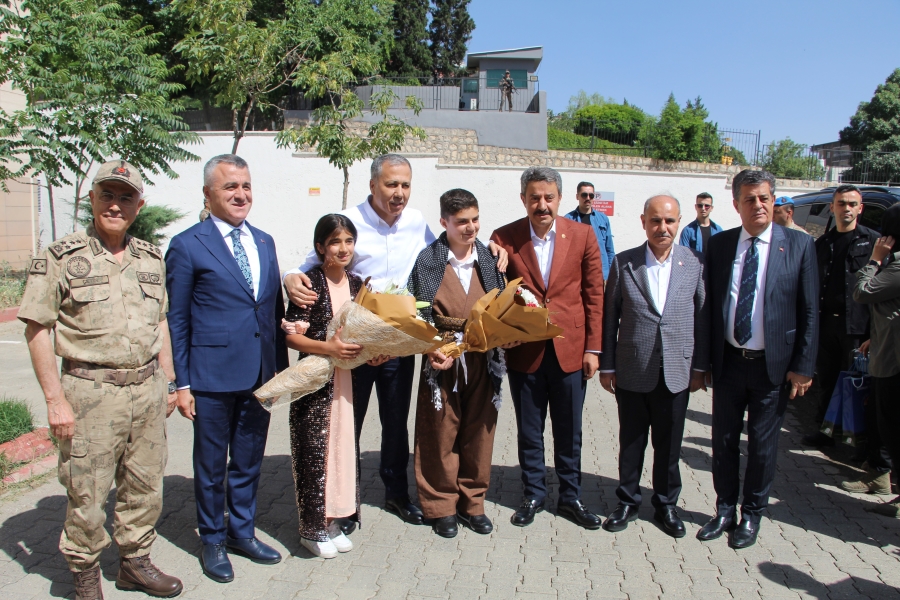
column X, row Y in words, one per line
column 704, row 206
column 586, row 195
column 126, row 200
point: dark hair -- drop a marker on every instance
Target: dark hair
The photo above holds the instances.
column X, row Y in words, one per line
column 705, row 195
column 327, row 226
column 455, row 200
column 890, row 225
column 751, row 177
column 583, row 184
column 845, row 189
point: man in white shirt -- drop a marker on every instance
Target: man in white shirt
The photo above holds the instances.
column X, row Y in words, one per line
column 655, row 353
column 390, row 237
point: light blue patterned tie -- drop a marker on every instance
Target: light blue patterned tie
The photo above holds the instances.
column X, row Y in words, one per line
column 241, row 257
column 746, row 294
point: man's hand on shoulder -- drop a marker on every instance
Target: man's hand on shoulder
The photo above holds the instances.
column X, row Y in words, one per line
column 298, row 289
column 500, row 254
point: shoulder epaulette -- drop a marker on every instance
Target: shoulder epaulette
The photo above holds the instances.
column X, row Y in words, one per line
column 148, row 248
column 63, row 246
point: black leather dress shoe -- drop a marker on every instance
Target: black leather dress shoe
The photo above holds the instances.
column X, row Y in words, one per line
column 818, row 440
column 254, row 549
column 715, row 527
column 524, row 515
column 477, row 523
column 215, row 563
column 621, row 517
column 347, row 526
column 405, row 509
column 745, row 535
column 445, row 526
column 668, row 517
column 578, row 513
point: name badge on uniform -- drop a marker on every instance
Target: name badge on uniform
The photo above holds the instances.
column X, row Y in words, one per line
column 87, row 281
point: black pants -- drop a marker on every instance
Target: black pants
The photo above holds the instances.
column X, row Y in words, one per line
column 393, row 385
column 563, row 393
column 887, row 396
column 744, row 386
column 835, row 347
column 662, row 414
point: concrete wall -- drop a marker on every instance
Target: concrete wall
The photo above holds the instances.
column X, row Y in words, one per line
column 18, row 207
column 284, row 207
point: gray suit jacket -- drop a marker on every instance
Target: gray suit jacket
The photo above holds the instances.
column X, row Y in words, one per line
column 635, row 333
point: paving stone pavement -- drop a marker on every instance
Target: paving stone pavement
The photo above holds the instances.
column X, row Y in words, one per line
column 816, row 542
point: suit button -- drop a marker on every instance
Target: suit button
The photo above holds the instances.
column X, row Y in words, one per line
column 547, row 301
column 256, row 334
column 256, row 309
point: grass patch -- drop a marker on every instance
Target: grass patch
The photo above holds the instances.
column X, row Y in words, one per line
column 15, row 419
column 557, row 139
column 12, row 286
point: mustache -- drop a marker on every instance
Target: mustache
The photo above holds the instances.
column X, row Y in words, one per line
column 542, row 212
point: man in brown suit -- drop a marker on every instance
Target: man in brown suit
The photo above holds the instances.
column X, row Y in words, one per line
column 558, row 261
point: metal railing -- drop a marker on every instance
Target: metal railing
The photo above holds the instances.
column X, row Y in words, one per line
column 454, row 93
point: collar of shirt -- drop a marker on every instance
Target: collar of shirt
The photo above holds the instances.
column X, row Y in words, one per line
column 765, row 237
column 652, row 261
column 462, row 264
column 225, row 228
column 551, row 235
column 377, row 222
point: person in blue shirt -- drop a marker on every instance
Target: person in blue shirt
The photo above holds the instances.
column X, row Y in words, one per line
column 586, row 214
column 696, row 234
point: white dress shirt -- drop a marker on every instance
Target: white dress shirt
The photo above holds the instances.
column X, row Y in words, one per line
column 386, row 253
column 247, row 242
column 543, row 248
column 757, row 339
column 659, row 274
column 464, row 269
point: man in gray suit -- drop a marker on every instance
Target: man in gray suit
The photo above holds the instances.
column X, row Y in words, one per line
column 655, row 352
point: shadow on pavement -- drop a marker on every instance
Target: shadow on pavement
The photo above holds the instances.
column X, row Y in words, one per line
column 796, row 580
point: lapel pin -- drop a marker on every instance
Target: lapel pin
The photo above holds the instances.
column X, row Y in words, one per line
column 564, row 236
column 781, row 248
column 680, row 264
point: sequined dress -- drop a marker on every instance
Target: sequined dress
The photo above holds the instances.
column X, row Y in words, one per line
column 324, row 454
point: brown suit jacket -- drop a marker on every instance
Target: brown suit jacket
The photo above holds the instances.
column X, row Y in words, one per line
column 574, row 295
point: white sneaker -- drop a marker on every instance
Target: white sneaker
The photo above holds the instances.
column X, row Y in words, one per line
column 320, row 549
column 342, row 543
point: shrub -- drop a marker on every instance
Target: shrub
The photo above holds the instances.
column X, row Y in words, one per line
column 615, row 122
column 15, row 419
column 12, row 286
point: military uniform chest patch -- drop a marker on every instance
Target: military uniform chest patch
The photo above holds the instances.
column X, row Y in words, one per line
column 38, row 266
column 78, row 266
column 153, row 278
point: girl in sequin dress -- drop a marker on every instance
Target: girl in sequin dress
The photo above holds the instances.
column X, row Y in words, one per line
column 324, row 454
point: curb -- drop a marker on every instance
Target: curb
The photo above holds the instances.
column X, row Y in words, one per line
column 9, row 314
column 28, row 447
column 34, row 469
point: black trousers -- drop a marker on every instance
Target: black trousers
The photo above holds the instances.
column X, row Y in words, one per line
column 887, row 396
column 744, row 386
column 835, row 347
column 393, row 385
column 563, row 393
column 661, row 414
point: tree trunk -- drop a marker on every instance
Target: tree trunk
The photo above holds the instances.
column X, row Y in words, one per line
column 237, row 133
column 346, row 185
column 52, row 211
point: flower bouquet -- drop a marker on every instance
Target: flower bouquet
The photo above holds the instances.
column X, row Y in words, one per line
column 383, row 324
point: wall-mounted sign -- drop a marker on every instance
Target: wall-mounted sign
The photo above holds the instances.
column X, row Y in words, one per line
column 315, row 191
column 604, row 202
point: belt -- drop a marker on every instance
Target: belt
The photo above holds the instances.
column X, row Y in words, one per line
column 745, row 353
column 448, row 326
column 101, row 374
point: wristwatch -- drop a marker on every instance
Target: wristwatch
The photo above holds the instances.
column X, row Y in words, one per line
column 875, row 263
column 172, row 388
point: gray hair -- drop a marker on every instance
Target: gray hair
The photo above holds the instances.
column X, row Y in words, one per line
column 751, row 177
column 226, row 159
column 387, row 159
column 541, row 174
column 662, row 195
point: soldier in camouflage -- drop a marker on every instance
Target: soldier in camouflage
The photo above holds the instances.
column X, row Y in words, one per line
column 104, row 294
column 507, row 87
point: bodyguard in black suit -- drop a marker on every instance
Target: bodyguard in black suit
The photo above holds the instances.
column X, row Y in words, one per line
column 763, row 286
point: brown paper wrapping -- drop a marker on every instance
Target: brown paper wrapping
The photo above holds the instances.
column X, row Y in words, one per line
column 498, row 319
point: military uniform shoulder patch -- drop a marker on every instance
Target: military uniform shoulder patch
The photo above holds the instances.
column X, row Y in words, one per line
column 61, row 247
column 148, row 248
column 38, row 266
column 78, row 266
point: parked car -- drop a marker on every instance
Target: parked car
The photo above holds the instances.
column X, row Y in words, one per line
column 813, row 211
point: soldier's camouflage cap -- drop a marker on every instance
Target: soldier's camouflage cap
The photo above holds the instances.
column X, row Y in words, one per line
column 120, row 170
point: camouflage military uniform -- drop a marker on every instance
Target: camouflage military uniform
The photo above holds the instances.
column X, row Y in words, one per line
column 106, row 316
column 506, row 91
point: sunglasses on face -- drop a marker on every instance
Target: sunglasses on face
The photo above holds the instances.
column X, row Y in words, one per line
column 704, row 206
column 586, row 195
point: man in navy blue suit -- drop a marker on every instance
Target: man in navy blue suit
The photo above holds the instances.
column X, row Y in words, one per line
column 763, row 286
column 225, row 314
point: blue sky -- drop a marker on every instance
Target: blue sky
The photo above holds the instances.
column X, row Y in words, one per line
column 790, row 68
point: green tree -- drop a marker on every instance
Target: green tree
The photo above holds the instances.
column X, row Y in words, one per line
column 790, row 160
column 450, row 31
column 618, row 123
column 148, row 225
column 875, row 129
column 410, row 55
column 93, row 91
column 682, row 134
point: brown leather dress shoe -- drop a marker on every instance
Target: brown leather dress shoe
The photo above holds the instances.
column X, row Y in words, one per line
column 141, row 574
column 87, row 584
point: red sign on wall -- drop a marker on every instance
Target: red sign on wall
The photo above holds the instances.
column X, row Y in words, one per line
column 604, row 202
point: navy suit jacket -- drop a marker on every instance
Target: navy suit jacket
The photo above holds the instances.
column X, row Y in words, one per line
column 791, row 301
column 223, row 339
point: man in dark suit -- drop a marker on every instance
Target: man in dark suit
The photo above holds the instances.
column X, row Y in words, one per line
column 559, row 262
column 763, row 287
column 225, row 315
column 655, row 353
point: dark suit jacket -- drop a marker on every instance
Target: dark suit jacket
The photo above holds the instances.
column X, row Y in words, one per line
column 222, row 338
column 791, row 301
column 574, row 295
column 636, row 333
